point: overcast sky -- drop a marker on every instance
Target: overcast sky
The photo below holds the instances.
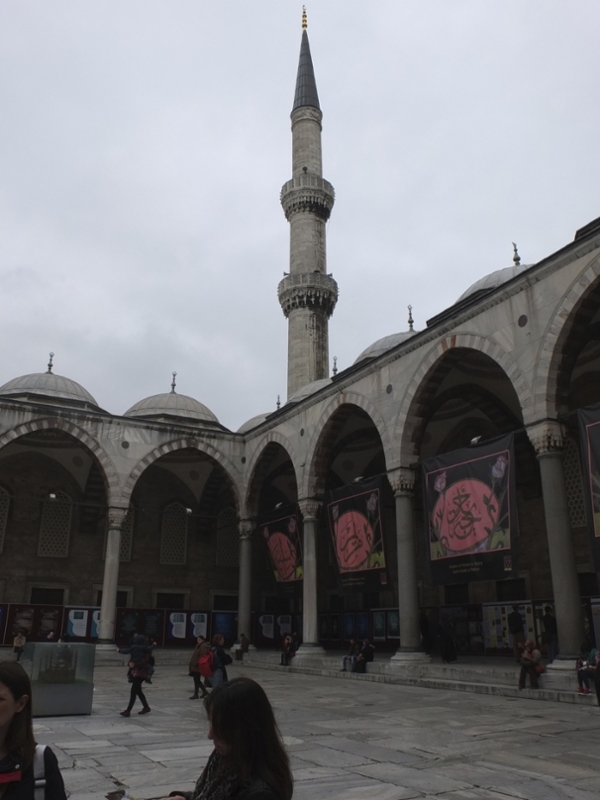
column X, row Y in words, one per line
column 143, row 146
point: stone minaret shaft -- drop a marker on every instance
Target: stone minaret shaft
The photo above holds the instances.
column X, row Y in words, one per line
column 308, row 294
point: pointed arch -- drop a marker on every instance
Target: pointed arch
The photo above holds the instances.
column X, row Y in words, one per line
column 186, row 443
column 109, row 471
column 546, row 399
column 254, row 465
column 307, row 486
column 407, row 419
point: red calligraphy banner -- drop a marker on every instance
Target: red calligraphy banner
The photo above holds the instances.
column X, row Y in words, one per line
column 282, row 536
column 471, row 519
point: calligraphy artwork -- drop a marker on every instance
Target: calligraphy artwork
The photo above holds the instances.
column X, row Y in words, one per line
column 284, row 545
column 589, row 431
column 471, row 518
column 354, row 515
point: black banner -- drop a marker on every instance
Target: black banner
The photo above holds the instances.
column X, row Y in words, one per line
column 589, row 429
column 354, row 515
column 470, row 513
column 283, row 538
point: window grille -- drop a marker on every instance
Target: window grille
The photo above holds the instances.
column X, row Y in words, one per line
column 173, row 538
column 228, row 540
column 574, row 483
column 56, row 526
column 4, row 506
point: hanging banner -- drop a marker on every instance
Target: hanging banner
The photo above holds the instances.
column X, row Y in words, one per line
column 589, row 429
column 470, row 513
column 354, row 515
column 283, row 538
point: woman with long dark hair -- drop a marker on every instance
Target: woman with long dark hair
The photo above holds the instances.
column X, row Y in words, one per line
column 22, row 762
column 249, row 761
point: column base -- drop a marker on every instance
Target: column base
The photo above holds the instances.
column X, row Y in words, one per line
column 409, row 658
column 309, row 651
column 560, row 674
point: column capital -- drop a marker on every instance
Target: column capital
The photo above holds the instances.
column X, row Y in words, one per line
column 547, row 437
column 116, row 517
column 309, row 508
column 246, row 528
column 402, row 480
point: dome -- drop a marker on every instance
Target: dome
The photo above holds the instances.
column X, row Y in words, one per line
column 309, row 389
column 47, row 385
column 383, row 345
column 169, row 405
column 494, row 279
column 253, row 422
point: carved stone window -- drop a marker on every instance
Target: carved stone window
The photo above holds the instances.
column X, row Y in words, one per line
column 4, row 506
column 574, row 483
column 56, row 526
column 228, row 540
column 173, row 538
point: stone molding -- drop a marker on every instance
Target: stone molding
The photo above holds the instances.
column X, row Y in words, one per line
column 116, row 517
column 303, row 113
column 309, row 508
column 546, row 437
column 402, row 480
column 312, row 290
column 307, row 194
column 246, row 528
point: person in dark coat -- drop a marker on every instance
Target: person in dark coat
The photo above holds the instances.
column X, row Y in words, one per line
column 139, row 653
column 202, row 647
column 17, row 742
column 222, row 659
column 365, row 655
column 249, row 761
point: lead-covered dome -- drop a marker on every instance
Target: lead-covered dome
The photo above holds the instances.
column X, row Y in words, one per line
column 383, row 345
column 172, row 405
column 306, row 391
column 48, row 387
column 253, row 422
column 496, row 278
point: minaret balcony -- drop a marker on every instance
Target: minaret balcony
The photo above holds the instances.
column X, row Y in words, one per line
column 307, row 193
column 313, row 290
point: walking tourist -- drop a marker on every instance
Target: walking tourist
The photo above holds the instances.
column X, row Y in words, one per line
column 222, row 659
column 249, row 761
column 22, row 762
column 140, row 653
column 18, row 644
column 202, row 647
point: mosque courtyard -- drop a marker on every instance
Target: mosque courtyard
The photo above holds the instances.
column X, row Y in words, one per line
column 347, row 740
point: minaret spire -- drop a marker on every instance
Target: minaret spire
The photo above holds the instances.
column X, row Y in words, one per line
column 308, row 294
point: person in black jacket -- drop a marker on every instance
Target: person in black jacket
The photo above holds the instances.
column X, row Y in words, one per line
column 139, row 660
column 222, row 659
column 249, row 761
column 18, row 749
column 365, row 655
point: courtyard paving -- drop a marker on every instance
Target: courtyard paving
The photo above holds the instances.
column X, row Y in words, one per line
column 348, row 740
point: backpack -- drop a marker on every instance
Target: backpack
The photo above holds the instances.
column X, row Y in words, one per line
column 207, row 665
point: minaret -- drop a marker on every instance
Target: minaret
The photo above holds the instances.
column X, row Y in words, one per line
column 308, row 294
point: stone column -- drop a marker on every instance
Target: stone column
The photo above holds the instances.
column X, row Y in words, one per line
column 111, row 576
column 402, row 481
column 246, row 528
column 310, row 621
column 548, row 441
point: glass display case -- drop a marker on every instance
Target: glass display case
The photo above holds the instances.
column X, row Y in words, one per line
column 62, row 677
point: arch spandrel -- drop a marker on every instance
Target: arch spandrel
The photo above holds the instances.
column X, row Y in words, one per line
column 307, row 486
column 109, row 471
column 546, row 405
column 272, row 437
column 407, row 420
column 184, row 443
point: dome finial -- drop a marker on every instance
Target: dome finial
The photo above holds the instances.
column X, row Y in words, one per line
column 516, row 256
column 49, row 372
column 335, row 370
column 411, row 321
column 304, row 19
column 278, row 402
column 173, row 384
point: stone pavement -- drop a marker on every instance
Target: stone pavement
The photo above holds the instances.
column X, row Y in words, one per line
column 348, row 740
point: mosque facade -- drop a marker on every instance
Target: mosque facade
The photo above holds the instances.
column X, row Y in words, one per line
column 164, row 508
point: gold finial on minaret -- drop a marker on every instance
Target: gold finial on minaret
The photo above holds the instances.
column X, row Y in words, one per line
column 304, row 19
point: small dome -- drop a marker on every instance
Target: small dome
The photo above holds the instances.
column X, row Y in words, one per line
column 169, row 405
column 47, row 385
column 383, row 345
column 253, row 422
column 309, row 389
column 494, row 279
